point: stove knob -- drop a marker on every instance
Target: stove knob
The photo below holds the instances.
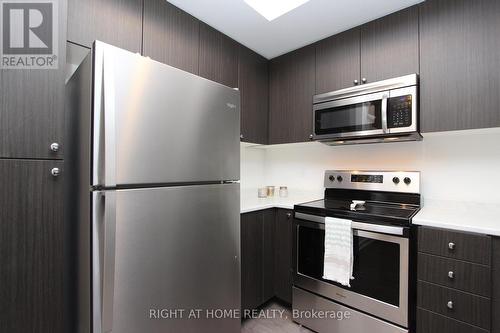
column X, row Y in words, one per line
column 332, row 178
column 407, row 180
column 395, row 180
column 339, row 178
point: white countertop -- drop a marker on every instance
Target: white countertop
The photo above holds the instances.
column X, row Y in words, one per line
column 483, row 218
column 251, row 202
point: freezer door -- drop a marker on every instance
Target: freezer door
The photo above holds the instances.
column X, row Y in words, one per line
column 155, row 124
column 160, row 253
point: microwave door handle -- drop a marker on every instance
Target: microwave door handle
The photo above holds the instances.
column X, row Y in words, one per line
column 384, row 113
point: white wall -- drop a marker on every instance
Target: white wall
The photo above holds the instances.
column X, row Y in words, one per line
column 252, row 167
column 461, row 165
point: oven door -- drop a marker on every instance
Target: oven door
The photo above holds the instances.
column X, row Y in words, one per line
column 359, row 116
column 380, row 284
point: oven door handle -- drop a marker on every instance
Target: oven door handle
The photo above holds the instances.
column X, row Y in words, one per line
column 385, row 229
column 384, row 114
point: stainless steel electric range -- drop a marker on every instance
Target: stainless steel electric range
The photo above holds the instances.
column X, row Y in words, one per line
column 381, row 296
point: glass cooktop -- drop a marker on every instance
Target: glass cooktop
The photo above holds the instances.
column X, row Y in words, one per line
column 387, row 212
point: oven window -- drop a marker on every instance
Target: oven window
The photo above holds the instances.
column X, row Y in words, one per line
column 376, row 264
column 349, row 118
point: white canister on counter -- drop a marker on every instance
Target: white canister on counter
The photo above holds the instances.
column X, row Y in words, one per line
column 283, row 191
column 270, row 191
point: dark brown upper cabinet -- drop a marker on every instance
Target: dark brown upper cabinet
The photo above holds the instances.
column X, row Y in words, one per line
column 292, row 82
column 459, row 64
column 32, row 107
column 218, row 57
column 116, row 22
column 381, row 49
column 31, row 247
column 389, row 46
column 170, row 35
column 254, row 88
column 337, row 61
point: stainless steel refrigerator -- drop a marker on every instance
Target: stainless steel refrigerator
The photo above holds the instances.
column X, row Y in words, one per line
column 153, row 201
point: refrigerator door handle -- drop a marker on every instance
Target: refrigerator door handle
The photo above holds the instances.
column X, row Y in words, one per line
column 104, row 171
column 104, row 232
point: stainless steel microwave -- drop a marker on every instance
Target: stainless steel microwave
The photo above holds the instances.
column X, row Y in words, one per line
column 384, row 111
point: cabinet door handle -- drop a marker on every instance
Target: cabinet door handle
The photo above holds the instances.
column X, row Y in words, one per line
column 451, row 246
column 54, row 147
column 451, row 275
column 355, row 82
column 55, row 172
column 364, row 80
column 288, row 215
column 449, row 305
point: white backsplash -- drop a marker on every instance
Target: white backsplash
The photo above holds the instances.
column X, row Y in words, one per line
column 252, row 167
column 459, row 165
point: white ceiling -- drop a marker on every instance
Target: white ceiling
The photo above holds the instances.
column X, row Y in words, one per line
column 304, row 25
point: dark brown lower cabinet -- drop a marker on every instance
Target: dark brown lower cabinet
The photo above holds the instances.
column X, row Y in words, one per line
column 454, row 304
column 458, row 288
column 257, row 233
column 429, row 322
column 31, row 247
column 495, row 279
column 268, row 223
column 251, row 261
column 283, row 255
column 266, row 257
column 468, row 277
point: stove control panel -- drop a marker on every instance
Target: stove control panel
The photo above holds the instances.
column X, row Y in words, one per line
column 386, row 181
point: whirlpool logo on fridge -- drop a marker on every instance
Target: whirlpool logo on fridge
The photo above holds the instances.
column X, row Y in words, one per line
column 28, row 36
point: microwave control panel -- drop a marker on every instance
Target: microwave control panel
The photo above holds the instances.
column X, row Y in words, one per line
column 399, row 111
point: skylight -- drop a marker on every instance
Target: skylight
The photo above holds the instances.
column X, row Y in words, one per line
column 272, row 9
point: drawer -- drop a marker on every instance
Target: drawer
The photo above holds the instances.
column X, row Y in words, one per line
column 472, row 309
column 457, row 245
column 429, row 322
column 472, row 278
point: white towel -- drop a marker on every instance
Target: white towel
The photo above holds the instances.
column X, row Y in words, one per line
column 339, row 256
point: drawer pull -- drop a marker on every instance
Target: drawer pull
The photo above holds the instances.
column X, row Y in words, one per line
column 451, row 275
column 449, row 305
column 451, row 246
